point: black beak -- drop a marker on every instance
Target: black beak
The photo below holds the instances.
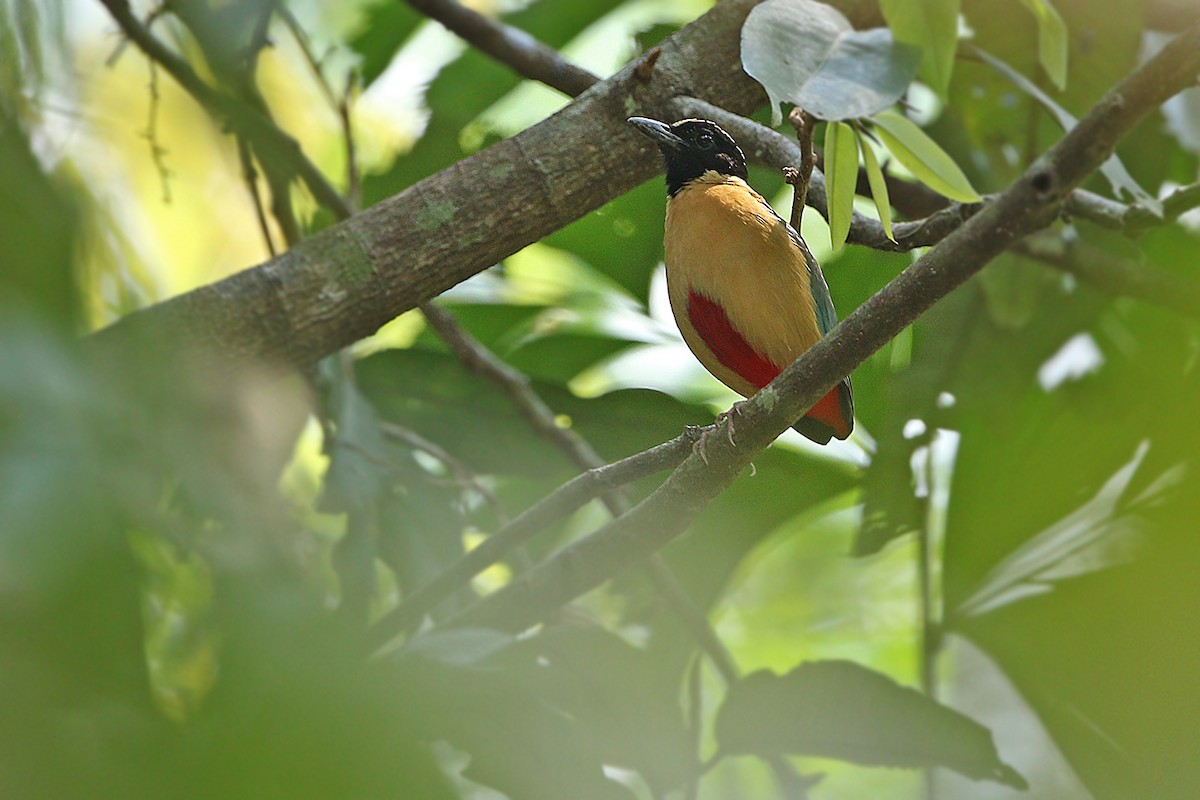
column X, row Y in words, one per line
column 660, row 132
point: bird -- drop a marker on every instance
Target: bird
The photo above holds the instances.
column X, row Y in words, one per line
column 745, row 290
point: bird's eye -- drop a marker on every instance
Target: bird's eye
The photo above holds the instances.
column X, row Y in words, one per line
column 705, row 141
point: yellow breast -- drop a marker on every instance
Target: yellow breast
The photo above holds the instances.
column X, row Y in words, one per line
column 723, row 241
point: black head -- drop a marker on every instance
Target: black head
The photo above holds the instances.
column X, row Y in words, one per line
column 692, row 147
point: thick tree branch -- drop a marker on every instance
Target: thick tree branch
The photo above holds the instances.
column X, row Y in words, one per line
column 342, row 284
column 1033, row 202
column 528, row 57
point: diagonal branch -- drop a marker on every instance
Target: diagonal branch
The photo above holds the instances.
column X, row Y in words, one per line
column 248, row 122
column 1032, row 202
column 772, row 148
column 564, row 500
column 516, row 385
column 528, row 57
column 345, row 282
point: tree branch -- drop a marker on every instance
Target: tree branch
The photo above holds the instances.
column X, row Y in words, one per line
column 769, row 147
column 345, row 282
column 528, row 57
column 267, row 136
column 564, row 500
column 1032, row 202
column 516, row 385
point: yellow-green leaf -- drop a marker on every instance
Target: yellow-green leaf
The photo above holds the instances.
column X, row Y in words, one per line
column 1052, row 40
column 841, row 176
column 931, row 25
column 923, row 157
column 879, row 191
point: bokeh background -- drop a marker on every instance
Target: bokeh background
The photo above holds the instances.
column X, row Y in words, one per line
column 189, row 556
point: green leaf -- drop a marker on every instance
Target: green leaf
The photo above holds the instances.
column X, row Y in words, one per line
column 1052, row 40
column 931, row 25
column 839, row 709
column 923, row 157
column 841, row 176
column 628, row 703
column 1113, row 168
column 386, row 26
column 1012, row 286
column 807, row 53
column 879, row 190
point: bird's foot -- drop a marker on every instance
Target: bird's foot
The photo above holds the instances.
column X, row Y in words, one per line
column 726, row 418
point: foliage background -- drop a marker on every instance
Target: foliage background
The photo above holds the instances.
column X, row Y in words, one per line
column 188, row 558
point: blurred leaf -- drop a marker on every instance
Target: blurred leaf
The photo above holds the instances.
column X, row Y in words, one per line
column 38, row 228
column 467, row 87
column 931, row 25
column 432, row 394
column 875, row 179
column 457, row 647
column 386, row 25
column 623, row 239
column 630, row 711
column 838, row 709
column 807, row 53
column 1113, row 168
column 922, row 156
column 786, row 483
column 474, row 695
column 1052, row 40
column 1104, row 38
column 1012, row 286
column 841, row 173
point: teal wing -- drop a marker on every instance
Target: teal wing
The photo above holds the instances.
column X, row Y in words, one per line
column 822, row 302
column 826, row 317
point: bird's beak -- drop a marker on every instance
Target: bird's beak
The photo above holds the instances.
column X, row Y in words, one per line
column 660, row 132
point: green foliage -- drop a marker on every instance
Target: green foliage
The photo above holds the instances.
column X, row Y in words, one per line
column 923, row 157
column 841, row 171
column 878, row 184
column 838, row 709
column 931, row 25
column 807, row 53
column 1023, row 477
column 1052, row 40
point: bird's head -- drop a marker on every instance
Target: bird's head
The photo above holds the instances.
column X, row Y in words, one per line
column 692, row 147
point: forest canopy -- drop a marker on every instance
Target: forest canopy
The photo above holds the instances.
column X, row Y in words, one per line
column 349, row 449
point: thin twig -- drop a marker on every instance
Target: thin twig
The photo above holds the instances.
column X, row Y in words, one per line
column 528, row 57
column 339, row 103
column 157, row 151
column 250, row 176
column 310, row 57
column 801, row 175
column 514, row 383
column 269, row 140
column 353, row 178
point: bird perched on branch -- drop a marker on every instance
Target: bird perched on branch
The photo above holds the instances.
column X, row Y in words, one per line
column 747, row 294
